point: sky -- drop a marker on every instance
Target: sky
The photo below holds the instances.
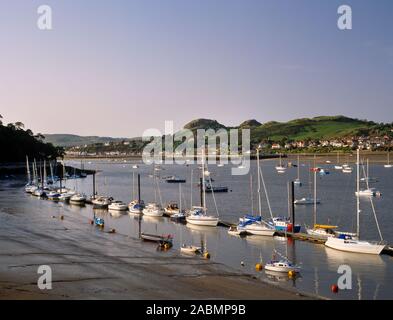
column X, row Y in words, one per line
column 116, row 68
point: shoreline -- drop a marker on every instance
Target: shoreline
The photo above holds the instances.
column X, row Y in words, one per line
column 88, row 263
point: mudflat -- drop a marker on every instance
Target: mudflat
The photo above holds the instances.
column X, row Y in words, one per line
column 89, row 263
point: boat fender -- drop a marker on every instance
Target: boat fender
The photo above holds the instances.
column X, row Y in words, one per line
column 206, row 255
column 334, row 288
column 291, row 274
column 242, row 263
column 258, row 266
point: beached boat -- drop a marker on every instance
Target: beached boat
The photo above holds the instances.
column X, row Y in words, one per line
column 190, row 249
column 162, row 240
column 350, row 244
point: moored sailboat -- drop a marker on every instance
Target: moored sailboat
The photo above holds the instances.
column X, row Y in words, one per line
column 351, row 244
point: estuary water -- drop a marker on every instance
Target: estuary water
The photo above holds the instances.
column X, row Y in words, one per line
column 372, row 276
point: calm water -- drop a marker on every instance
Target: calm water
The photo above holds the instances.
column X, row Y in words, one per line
column 372, row 275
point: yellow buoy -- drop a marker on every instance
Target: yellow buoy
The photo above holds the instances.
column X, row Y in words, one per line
column 291, row 274
column 206, row 255
column 258, row 267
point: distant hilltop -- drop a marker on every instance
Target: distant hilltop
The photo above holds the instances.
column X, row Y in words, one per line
column 318, row 128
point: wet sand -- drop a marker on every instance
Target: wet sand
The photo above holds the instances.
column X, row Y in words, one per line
column 88, row 263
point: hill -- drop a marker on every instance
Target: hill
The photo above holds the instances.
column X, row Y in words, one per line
column 312, row 129
column 68, row 140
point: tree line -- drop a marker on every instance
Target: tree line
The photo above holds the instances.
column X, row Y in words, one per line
column 16, row 142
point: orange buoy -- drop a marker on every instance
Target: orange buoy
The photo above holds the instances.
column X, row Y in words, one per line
column 206, row 255
column 334, row 288
column 291, row 274
column 258, row 267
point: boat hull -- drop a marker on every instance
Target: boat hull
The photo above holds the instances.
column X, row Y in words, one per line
column 202, row 221
column 258, row 230
column 356, row 246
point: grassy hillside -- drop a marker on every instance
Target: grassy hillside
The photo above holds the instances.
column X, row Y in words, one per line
column 315, row 128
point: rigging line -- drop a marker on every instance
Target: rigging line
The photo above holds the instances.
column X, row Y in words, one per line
column 266, row 195
column 214, row 198
column 372, row 203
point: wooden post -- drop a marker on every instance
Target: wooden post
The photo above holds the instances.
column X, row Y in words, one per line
column 201, row 191
column 94, row 185
column 139, row 188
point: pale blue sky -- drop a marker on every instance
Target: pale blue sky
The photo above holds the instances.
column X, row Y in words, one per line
column 118, row 67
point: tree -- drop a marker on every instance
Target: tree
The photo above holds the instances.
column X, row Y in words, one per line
column 19, row 125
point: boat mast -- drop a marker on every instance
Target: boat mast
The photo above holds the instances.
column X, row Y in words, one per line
column 259, row 186
column 357, row 195
column 139, row 188
column 298, row 167
column 203, row 178
column 28, row 170
column 315, row 194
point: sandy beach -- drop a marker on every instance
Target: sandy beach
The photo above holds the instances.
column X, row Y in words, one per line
column 88, row 263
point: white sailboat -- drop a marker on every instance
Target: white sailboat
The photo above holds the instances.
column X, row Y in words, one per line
column 338, row 166
column 297, row 181
column 256, row 225
column 199, row 216
column 367, row 177
column 280, row 168
column 368, row 192
column 351, row 244
column 388, row 165
column 320, row 230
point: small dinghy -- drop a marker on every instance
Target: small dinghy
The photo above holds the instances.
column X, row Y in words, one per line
column 190, row 249
column 234, row 231
column 168, row 239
